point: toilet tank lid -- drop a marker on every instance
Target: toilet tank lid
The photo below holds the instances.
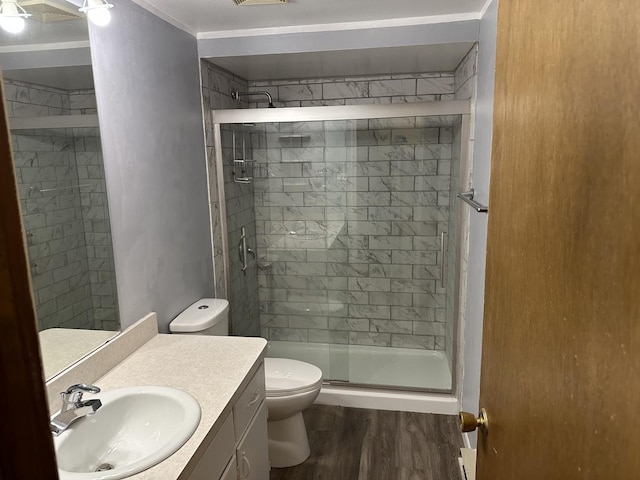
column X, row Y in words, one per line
column 203, row 314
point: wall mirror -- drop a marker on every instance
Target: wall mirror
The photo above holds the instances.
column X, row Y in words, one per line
column 50, row 101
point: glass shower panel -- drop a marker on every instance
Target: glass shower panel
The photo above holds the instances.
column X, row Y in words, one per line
column 351, row 224
column 300, row 202
column 398, row 202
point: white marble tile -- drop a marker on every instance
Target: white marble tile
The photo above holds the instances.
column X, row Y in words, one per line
column 386, row 242
column 299, row 92
column 414, row 198
column 364, row 284
column 377, row 339
column 390, row 213
column 369, row 256
column 428, row 328
column 345, row 90
column 384, row 88
column 391, row 326
column 391, row 184
column 390, row 271
column 431, row 86
column 414, row 167
column 392, row 152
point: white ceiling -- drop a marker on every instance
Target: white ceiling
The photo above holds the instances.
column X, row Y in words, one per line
column 201, row 16
column 380, row 61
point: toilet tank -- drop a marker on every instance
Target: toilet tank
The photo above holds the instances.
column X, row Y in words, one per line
column 207, row 316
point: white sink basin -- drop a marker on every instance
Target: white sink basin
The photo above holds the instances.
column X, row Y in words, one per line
column 135, row 429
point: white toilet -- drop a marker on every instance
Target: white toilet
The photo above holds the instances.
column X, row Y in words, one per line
column 291, row 386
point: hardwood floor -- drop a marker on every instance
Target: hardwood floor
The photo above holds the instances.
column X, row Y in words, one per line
column 358, row 444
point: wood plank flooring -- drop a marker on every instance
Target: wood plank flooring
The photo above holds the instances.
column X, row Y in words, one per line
column 358, row 444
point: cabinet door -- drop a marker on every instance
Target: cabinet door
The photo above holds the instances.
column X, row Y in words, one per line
column 230, row 473
column 217, row 455
column 253, row 450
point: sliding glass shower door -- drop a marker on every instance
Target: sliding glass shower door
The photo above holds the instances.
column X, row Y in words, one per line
column 352, row 222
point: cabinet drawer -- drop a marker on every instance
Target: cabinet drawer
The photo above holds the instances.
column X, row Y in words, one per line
column 217, row 455
column 248, row 403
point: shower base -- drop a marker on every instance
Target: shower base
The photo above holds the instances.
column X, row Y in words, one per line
column 394, row 372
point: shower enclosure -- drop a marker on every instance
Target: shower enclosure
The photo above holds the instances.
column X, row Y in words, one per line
column 341, row 236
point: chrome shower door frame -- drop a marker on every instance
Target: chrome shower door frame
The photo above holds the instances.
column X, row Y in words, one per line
column 361, row 112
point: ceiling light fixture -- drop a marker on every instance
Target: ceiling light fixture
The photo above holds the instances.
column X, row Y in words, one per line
column 97, row 11
column 12, row 16
column 258, row 2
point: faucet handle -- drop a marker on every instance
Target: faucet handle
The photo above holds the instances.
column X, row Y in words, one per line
column 72, row 396
column 82, row 387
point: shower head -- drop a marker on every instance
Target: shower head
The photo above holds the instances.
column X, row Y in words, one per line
column 236, row 96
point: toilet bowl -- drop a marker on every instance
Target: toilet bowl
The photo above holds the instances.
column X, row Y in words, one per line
column 291, row 387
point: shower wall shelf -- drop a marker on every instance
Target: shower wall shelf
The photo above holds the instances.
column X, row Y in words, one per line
column 245, row 169
column 294, row 141
column 55, row 189
column 242, row 167
column 294, row 137
column 54, row 121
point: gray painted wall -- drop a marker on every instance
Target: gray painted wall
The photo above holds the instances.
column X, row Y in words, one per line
column 148, row 92
column 478, row 227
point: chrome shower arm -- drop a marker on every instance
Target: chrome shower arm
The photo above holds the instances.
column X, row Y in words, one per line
column 236, row 96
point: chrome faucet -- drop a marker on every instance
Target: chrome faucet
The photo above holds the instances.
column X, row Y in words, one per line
column 73, row 407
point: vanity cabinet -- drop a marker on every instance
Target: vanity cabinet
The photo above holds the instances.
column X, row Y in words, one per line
column 239, row 451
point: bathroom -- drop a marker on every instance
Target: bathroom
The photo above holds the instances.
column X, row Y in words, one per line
column 176, row 270
column 172, row 188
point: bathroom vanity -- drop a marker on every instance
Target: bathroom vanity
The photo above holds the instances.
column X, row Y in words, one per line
column 224, row 374
column 239, row 449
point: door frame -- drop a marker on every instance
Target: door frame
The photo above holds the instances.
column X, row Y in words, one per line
column 28, row 448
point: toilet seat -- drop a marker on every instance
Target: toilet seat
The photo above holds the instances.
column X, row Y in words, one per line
column 284, row 377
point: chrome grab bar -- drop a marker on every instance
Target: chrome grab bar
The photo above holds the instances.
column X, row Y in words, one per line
column 442, row 258
column 243, row 250
column 467, row 197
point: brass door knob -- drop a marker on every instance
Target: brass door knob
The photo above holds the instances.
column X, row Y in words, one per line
column 469, row 422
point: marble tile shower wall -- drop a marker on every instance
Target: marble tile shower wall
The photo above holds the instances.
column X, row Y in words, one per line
column 367, row 209
column 217, row 85
column 67, row 229
column 366, row 90
column 97, row 227
column 349, row 216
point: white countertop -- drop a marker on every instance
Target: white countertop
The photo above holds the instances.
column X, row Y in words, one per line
column 214, row 370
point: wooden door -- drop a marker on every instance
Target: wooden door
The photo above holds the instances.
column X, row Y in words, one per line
column 561, row 346
column 27, row 446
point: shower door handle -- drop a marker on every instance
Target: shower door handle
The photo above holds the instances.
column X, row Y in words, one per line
column 243, row 250
column 443, row 250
